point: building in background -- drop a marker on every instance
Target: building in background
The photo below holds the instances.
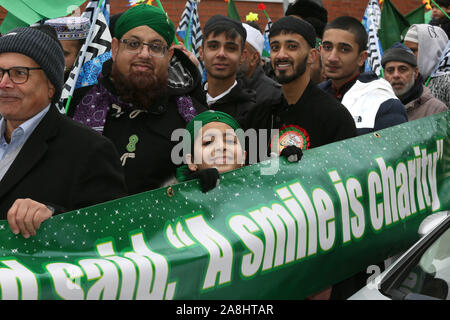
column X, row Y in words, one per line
column 208, row 8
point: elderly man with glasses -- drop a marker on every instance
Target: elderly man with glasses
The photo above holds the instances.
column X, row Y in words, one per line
column 143, row 95
column 49, row 163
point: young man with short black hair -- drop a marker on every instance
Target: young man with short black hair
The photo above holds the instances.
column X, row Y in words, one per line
column 222, row 52
column 371, row 101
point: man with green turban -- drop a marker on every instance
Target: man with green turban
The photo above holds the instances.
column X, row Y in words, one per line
column 143, row 94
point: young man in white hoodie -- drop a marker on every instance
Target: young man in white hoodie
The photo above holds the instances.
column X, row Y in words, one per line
column 371, row 101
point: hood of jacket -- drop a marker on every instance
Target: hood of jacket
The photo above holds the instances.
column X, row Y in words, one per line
column 432, row 41
column 184, row 76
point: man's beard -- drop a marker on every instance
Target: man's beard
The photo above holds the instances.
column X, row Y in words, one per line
column 298, row 72
column 142, row 89
column 400, row 93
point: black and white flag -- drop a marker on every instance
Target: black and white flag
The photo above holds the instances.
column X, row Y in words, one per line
column 371, row 22
column 98, row 43
column 443, row 66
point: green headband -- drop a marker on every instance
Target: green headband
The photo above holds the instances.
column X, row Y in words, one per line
column 145, row 15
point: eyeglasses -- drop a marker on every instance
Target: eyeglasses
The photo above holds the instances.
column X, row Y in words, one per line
column 17, row 75
column 154, row 49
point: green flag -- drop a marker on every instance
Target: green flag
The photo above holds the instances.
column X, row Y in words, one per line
column 392, row 25
column 427, row 16
column 26, row 12
column 53, row 9
column 417, row 16
column 10, row 22
column 232, row 11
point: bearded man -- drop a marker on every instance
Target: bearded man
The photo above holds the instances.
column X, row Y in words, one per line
column 401, row 71
column 306, row 116
column 143, row 94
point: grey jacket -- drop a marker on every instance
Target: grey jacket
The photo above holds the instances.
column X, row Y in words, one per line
column 424, row 106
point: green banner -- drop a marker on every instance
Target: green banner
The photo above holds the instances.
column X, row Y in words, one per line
column 257, row 235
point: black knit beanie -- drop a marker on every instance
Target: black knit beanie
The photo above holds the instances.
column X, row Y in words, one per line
column 45, row 50
column 297, row 25
column 307, row 8
column 399, row 52
column 225, row 22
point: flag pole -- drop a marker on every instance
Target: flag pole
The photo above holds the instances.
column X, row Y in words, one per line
column 83, row 54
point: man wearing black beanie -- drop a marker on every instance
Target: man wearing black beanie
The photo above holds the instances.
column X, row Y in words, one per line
column 48, row 163
column 306, row 116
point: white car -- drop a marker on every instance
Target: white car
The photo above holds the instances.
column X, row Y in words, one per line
column 422, row 272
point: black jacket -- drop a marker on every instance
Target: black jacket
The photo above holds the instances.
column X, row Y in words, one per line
column 237, row 103
column 314, row 120
column 63, row 164
column 144, row 140
column 268, row 91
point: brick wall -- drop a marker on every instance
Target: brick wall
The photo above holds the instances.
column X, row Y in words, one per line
column 208, row 8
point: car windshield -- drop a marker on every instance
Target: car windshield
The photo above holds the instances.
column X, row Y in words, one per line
column 428, row 276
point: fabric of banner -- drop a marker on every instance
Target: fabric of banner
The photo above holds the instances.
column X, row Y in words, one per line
column 273, row 230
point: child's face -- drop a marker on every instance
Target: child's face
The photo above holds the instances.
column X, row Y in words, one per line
column 217, row 145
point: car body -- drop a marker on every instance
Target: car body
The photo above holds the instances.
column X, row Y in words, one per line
column 420, row 273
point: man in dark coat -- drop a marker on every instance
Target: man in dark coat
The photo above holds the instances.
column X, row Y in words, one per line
column 306, row 117
column 400, row 69
column 222, row 51
column 143, row 95
column 48, row 163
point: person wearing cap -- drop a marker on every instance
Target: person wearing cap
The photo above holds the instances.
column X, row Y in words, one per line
column 343, row 53
column 428, row 43
column 313, row 12
column 251, row 71
column 306, row 117
column 143, row 94
column 72, row 33
column 222, row 52
column 400, row 69
column 438, row 17
column 49, row 163
column 211, row 146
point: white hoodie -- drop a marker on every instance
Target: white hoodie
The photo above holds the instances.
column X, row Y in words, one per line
column 432, row 41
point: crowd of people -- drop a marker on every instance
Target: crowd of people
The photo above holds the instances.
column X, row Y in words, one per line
column 117, row 137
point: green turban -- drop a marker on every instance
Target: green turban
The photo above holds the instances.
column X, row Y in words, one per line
column 145, row 15
column 190, row 135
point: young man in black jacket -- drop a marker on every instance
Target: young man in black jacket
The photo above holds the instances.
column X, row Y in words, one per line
column 305, row 116
column 371, row 101
column 222, row 52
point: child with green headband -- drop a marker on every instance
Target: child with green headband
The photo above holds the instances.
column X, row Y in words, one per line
column 211, row 147
column 214, row 145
